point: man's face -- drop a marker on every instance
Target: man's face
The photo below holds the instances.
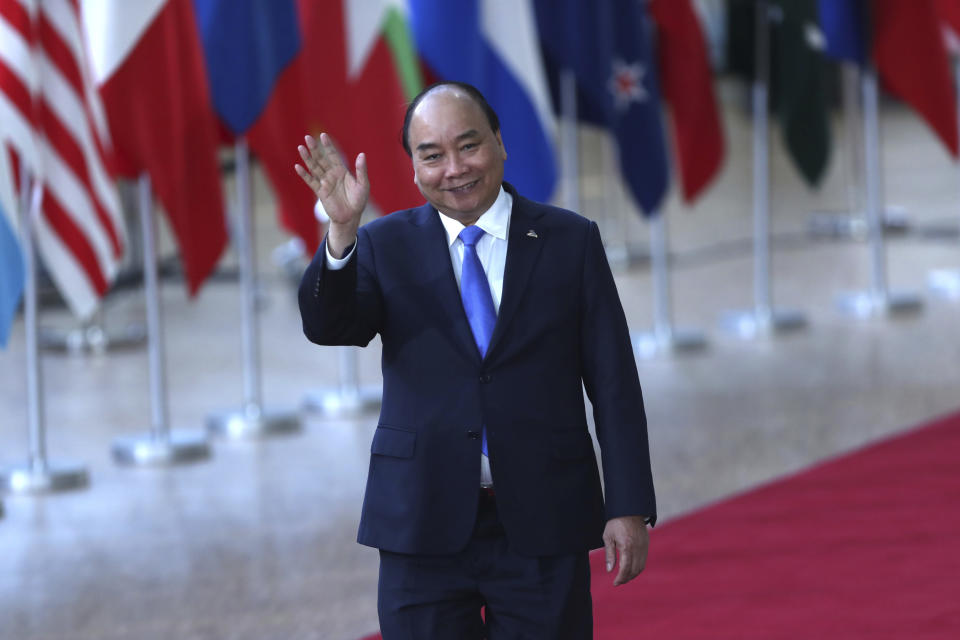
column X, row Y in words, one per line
column 457, row 158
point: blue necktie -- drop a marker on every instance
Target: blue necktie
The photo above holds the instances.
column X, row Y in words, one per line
column 475, row 293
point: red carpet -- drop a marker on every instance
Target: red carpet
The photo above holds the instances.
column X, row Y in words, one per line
column 863, row 546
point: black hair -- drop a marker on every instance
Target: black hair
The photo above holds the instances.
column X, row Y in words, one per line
column 469, row 89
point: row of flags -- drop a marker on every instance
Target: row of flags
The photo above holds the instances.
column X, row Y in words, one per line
column 904, row 41
column 91, row 90
column 94, row 90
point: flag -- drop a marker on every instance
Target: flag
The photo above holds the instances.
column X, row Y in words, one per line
column 798, row 79
column 11, row 258
column 492, row 45
column 844, row 24
column 607, row 46
column 247, row 43
column 370, row 73
column 687, row 83
column 252, row 50
column 53, row 120
column 797, row 88
column 274, row 137
column 148, row 63
column 913, row 64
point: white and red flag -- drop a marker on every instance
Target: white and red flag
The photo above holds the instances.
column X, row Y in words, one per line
column 148, row 63
column 54, row 125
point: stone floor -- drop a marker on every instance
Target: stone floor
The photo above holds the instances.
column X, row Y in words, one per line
column 258, row 541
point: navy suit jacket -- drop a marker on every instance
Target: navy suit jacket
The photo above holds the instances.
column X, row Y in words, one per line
column 560, row 327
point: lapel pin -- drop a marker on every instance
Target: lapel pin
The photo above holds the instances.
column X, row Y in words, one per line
column 532, row 234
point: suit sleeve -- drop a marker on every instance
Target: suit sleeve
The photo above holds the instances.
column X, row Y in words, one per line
column 609, row 372
column 343, row 306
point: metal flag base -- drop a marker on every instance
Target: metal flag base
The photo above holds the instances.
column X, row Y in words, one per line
column 92, row 338
column 828, row 224
column 870, row 304
column 49, row 477
column 252, row 423
column 945, row 283
column 173, row 447
column 650, row 344
column 757, row 323
column 338, row 402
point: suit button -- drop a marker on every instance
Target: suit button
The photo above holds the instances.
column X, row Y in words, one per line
column 485, row 378
column 473, row 435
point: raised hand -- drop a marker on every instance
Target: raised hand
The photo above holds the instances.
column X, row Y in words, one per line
column 343, row 195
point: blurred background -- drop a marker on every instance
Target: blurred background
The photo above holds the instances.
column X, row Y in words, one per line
column 776, row 184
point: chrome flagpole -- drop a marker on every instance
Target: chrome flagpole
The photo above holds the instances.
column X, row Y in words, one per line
column 946, row 282
column 877, row 300
column 251, row 420
column 569, row 141
column 39, row 475
column 161, row 445
column 665, row 337
column 763, row 319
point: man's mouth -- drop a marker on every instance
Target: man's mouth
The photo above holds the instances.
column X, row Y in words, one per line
column 463, row 188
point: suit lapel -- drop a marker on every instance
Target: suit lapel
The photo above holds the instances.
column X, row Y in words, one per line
column 525, row 238
column 435, row 255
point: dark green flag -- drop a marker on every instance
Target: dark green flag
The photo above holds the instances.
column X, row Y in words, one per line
column 799, row 80
column 798, row 75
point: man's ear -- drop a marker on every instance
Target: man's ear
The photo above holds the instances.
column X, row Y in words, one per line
column 503, row 149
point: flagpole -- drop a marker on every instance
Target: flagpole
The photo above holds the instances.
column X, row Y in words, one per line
column 569, row 140
column 877, row 300
column 251, row 420
column 763, row 319
column 160, row 446
column 39, row 475
column 946, row 282
column 664, row 337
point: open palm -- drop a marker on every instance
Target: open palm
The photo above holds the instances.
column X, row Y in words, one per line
column 343, row 194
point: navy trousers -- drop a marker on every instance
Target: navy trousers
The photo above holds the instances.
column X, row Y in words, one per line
column 424, row 597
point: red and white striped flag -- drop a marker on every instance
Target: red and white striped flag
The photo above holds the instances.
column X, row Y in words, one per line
column 57, row 131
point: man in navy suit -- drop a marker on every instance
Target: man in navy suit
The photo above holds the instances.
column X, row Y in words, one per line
column 494, row 312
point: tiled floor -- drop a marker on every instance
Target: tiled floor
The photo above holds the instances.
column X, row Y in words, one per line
column 258, row 542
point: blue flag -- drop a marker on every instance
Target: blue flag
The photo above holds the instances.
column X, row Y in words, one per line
column 607, row 45
column 247, row 43
column 12, row 272
column 843, row 23
column 497, row 53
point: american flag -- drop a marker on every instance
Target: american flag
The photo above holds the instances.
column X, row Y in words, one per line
column 58, row 132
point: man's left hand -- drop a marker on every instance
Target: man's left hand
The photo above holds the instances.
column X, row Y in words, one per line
column 627, row 537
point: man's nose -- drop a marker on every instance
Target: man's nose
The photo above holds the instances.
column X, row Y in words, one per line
column 455, row 165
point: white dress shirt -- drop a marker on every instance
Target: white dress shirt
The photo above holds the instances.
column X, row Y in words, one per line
column 492, row 251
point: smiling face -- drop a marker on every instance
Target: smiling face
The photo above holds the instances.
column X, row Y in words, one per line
column 457, row 157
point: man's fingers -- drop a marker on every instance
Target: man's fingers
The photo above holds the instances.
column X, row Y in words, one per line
column 624, row 574
column 329, row 155
column 308, row 178
column 611, row 552
column 361, row 168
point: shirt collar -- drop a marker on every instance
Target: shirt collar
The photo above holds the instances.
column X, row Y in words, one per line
column 494, row 220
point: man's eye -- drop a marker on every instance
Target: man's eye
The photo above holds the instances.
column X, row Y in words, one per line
column 469, row 145
column 432, row 156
